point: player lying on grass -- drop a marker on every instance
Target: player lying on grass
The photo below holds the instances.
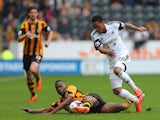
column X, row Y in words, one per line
column 92, row 103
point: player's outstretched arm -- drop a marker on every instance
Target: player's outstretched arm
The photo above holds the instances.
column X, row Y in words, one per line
column 133, row 27
column 61, row 105
column 40, row 111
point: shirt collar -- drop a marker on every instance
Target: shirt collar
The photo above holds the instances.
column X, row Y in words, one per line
column 32, row 22
column 105, row 30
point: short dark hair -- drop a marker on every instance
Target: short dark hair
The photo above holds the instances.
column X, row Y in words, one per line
column 59, row 81
column 96, row 18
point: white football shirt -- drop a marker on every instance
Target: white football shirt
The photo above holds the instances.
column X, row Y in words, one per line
column 111, row 40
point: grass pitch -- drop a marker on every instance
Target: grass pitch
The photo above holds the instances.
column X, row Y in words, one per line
column 14, row 95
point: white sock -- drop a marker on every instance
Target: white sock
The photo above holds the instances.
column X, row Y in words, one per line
column 124, row 76
column 127, row 95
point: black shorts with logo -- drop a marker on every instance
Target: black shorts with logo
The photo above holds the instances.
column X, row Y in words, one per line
column 27, row 60
column 97, row 109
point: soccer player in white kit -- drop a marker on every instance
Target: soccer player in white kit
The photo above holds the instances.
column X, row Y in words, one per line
column 107, row 41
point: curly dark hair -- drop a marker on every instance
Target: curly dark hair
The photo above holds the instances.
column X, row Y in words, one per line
column 29, row 9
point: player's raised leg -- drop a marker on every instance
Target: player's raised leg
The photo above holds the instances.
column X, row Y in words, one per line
column 36, row 73
column 30, row 83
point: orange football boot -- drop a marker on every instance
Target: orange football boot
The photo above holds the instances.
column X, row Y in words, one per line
column 138, row 92
column 32, row 99
column 138, row 105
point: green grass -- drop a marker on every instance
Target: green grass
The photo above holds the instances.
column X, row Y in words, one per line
column 14, row 95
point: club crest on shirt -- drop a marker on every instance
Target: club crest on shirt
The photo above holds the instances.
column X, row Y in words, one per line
column 109, row 42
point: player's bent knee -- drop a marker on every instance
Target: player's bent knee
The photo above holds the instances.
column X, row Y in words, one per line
column 116, row 91
column 117, row 70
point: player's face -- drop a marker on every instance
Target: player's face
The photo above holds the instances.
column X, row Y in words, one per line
column 33, row 14
column 60, row 87
column 99, row 26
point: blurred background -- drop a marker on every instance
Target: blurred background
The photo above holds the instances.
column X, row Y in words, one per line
column 72, row 51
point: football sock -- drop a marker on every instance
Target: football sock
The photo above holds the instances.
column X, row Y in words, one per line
column 30, row 84
column 87, row 104
column 127, row 103
column 127, row 95
column 124, row 76
column 37, row 75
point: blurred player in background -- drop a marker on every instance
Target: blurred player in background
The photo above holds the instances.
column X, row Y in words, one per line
column 107, row 41
column 92, row 103
column 31, row 32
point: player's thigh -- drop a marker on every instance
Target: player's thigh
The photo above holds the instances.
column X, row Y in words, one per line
column 36, row 60
column 115, row 81
column 122, row 65
column 34, row 66
column 122, row 62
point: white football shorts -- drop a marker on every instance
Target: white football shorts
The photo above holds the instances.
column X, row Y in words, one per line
column 114, row 79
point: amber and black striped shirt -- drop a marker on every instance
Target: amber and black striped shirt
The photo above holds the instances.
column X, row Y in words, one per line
column 72, row 91
column 33, row 43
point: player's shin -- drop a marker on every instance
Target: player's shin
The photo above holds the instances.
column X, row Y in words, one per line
column 127, row 95
column 125, row 77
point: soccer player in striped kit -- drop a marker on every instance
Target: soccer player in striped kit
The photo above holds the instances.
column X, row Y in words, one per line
column 31, row 32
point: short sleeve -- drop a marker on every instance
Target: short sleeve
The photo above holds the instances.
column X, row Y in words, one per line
column 71, row 90
column 46, row 28
column 22, row 29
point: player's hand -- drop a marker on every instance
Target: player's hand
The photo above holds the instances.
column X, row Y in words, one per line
column 105, row 51
column 26, row 110
column 28, row 33
column 111, row 53
column 141, row 29
column 46, row 44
